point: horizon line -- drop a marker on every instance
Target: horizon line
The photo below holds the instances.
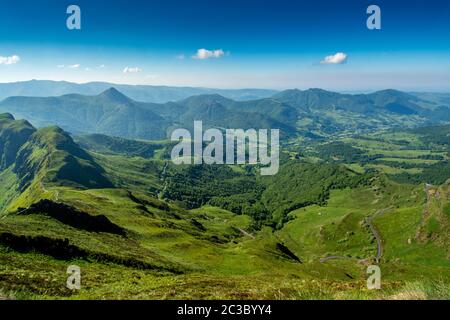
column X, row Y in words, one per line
column 347, row 91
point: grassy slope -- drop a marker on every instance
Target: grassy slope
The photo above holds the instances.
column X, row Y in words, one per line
column 220, row 261
column 213, row 253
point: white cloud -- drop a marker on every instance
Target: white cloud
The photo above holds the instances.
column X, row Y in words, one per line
column 338, row 58
column 60, row 66
column 206, row 54
column 9, row 60
column 101, row 66
column 131, row 70
column 74, row 66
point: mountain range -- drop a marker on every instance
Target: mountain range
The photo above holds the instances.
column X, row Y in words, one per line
column 122, row 210
column 313, row 112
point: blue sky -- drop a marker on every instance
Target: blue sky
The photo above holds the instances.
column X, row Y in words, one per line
column 248, row 43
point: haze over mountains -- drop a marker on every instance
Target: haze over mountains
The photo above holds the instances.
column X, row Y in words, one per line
column 145, row 93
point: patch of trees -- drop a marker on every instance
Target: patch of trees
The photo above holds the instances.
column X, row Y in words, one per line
column 435, row 174
column 431, row 157
column 299, row 185
column 217, row 185
column 268, row 200
column 344, row 153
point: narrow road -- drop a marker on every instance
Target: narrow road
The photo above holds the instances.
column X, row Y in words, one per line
column 376, row 233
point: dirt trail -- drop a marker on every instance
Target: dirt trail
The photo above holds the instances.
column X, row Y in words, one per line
column 322, row 260
column 426, row 210
column 245, row 233
column 163, row 178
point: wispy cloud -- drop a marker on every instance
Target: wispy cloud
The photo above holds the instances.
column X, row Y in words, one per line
column 206, row 54
column 9, row 60
column 131, row 70
column 180, row 57
column 101, row 66
column 338, row 58
column 74, row 66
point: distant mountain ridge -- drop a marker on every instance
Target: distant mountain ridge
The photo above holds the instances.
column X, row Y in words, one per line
column 144, row 93
column 391, row 100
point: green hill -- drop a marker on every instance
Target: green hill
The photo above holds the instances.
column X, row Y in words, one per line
column 34, row 159
column 50, row 153
column 109, row 113
column 328, row 113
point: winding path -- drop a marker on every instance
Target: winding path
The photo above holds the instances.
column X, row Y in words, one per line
column 375, row 233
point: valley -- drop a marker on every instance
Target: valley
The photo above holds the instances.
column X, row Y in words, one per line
column 363, row 180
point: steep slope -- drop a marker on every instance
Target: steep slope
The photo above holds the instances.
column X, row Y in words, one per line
column 13, row 134
column 34, row 159
column 51, row 156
